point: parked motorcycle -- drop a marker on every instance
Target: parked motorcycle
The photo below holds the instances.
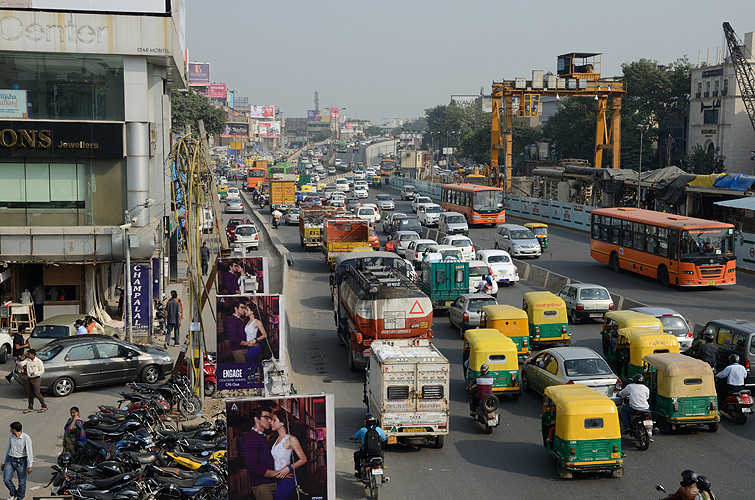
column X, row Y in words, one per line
column 210, row 379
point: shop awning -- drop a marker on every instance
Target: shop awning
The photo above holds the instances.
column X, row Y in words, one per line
column 746, row 203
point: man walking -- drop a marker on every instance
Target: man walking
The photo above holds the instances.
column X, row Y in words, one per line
column 17, row 460
column 174, row 313
column 257, row 453
column 34, row 370
column 205, row 254
column 19, row 344
column 80, row 328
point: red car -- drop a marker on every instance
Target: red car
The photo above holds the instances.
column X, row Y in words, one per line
column 373, row 239
column 230, row 228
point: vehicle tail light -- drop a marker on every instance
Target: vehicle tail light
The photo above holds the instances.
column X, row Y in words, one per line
column 465, row 317
column 573, row 451
column 747, row 364
column 689, row 335
column 525, row 342
column 571, row 382
column 537, row 331
column 490, row 271
column 676, row 406
column 563, row 329
column 615, row 448
column 516, row 270
column 580, row 307
column 610, row 306
column 618, row 387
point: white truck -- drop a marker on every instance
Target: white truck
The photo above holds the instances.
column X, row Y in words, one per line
column 407, row 388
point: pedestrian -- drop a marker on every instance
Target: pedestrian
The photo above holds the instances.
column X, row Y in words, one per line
column 19, row 344
column 93, row 325
column 205, row 254
column 17, row 460
column 34, row 370
column 40, row 295
column 73, row 433
column 80, row 328
column 174, row 312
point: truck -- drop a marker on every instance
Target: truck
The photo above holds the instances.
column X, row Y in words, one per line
column 379, row 302
column 341, row 235
column 311, row 221
column 407, row 389
column 282, row 193
column 444, row 281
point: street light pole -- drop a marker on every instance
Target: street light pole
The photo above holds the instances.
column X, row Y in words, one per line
column 641, row 129
column 127, row 277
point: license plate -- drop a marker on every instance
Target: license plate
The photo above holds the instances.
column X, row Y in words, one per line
column 746, row 410
column 711, row 282
column 596, row 315
column 413, row 429
column 648, row 424
column 377, row 472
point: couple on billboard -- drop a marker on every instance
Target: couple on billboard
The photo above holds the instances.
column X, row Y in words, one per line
column 245, row 332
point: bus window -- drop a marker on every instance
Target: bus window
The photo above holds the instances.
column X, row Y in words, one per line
column 639, row 239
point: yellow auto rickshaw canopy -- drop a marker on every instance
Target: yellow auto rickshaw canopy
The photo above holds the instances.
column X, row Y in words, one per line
column 488, row 345
column 681, row 376
column 535, row 224
column 644, row 341
column 509, row 320
column 631, row 319
column 539, row 306
column 583, row 413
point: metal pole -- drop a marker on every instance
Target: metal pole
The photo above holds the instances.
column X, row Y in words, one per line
column 127, row 278
column 641, row 129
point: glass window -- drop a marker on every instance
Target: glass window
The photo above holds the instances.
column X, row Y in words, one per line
column 615, row 235
column 724, row 337
column 639, row 241
column 109, row 351
column 488, row 201
column 497, row 358
column 586, row 367
column 80, row 353
column 710, row 116
column 593, row 423
column 50, row 332
column 626, row 238
column 551, row 365
column 699, row 88
column 693, row 381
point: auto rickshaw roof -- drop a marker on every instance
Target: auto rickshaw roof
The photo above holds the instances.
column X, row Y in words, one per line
column 677, row 365
column 680, row 376
column 644, row 341
column 578, row 399
column 503, row 311
column 543, row 300
column 535, row 224
column 636, row 318
column 490, row 339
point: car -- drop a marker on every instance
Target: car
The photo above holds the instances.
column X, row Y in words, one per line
column 246, row 238
column 6, row 345
column 331, row 170
column 414, row 250
column 461, row 242
column 291, row 216
column 81, row 361
column 500, row 263
column 234, row 205
column 587, row 301
column 391, row 221
column 373, row 239
column 517, row 240
column 353, row 203
column 441, row 252
column 59, row 326
column 367, row 213
column 337, row 196
column 453, row 223
column 377, row 210
column 409, row 224
column 337, row 162
column 672, row 322
column 464, row 313
column 385, row 202
column 342, row 184
column 408, row 192
column 429, row 213
column 359, row 175
column 420, row 200
column 233, row 192
column 338, row 204
column 478, row 270
column 230, row 228
column 569, row 365
column 361, row 192
column 402, row 239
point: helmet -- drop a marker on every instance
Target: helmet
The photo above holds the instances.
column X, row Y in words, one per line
column 370, row 421
column 65, row 459
column 708, row 335
column 489, row 279
column 638, row 379
column 484, row 368
column 734, row 358
column 703, row 483
column 688, row 477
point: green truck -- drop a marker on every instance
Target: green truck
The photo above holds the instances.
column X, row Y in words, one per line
column 444, row 281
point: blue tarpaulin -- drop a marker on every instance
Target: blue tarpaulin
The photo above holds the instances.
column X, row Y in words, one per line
column 738, row 182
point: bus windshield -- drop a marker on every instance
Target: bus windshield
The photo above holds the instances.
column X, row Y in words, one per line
column 697, row 243
column 488, row 201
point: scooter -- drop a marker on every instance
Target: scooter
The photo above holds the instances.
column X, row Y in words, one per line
column 738, row 405
column 486, row 413
column 276, row 221
column 641, row 427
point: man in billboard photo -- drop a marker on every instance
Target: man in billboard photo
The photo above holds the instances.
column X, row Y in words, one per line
column 229, row 284
column 258, row 457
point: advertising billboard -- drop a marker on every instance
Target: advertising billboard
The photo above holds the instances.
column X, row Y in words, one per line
column 250, row 329
column 334, row 114
column 257, row 429
column 318, row 116
column 262, row 111
column 269, row 129
column 241, row 103
column 216, row 90
column 14, row 104
column 235, row 130
column 140, row 289
column 242, row 275
column 199, row 73
column 347, row 126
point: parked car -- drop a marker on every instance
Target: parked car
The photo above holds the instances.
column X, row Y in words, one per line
column 734, row 336
column 401, row 239
column 291, row 216
column 392, row 220
column 247, row 238
column 569, row 365
column 6, row 346
column 409, row 224
column 60, row 326
column 429, row 214
column 672, row 322
column 499, row 261
column 586, row 301
column 453, row 223
column 408, row 192
column 84, row 361
column 461, row 242
column 477, row 272
column 234, row 205
column 385, row 202
column 367, row 213
column 464, row 312
column 420, row 200
column 517, row 240
column 414, row 250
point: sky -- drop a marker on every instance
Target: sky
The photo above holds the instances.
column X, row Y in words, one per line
column 390, row 59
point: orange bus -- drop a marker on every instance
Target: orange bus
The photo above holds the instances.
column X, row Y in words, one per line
column 387, row 166
column 255, row 175
column 677, row 250
column 479, row 204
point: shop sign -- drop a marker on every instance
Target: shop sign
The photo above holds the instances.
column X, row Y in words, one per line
column 60, row 139
column 13, row 104
column 141, row 299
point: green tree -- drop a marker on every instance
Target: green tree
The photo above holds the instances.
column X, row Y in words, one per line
column 322, row 134
column 523, row 135
column 187, row 108
column 572, row 128
column 702, row 160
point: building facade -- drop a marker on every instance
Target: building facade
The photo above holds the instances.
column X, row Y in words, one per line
column 84, row 144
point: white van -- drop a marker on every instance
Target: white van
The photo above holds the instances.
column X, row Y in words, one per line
column 453, row 223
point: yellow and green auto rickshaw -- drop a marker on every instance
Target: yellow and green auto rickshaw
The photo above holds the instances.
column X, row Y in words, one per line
column 540, row 231
column 222, row 190
column 510, row 321
column 581, row 431
column 682, row 391
column 633, row 344
column 548, row 322
column 613, row 321
column 377, row 181
column 488, row 346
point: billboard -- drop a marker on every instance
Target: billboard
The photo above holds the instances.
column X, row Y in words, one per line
column 262, row 111
column 334, row 114
column 199, row 73
column 257, row 429
column 140, row 289
column 116, row 6
column 216, row 90
column 269, row 129
column 347, row 126
column 13, row 104
column 241, row 103
column 233, row 129
column 250, row 329
column 318, row 116
column 243, row 275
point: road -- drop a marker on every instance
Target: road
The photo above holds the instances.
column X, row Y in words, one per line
column 513, row 456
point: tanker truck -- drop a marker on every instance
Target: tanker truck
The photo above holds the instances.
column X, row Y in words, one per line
column 379, row 302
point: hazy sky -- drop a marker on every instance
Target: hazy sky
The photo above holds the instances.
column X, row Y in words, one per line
column 390, row 59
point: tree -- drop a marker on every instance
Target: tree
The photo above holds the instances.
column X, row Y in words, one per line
column 322, row 134
column 702, row 160
column 523, row 135
column 187, row 108
column 572, row 128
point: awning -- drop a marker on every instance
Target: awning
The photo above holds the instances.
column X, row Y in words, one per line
column 746, row 203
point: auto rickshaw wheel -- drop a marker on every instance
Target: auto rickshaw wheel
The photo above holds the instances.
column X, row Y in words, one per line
column 713, row 427
column 563, row 472
column 618, row 472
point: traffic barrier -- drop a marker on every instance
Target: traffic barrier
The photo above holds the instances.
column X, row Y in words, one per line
column 556, row 282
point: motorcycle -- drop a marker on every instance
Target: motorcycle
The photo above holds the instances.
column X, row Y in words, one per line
column 210, row 379
column 372, row 475
column 486, row 413
column 641, row 427
column 276, row 221
column 738, row 405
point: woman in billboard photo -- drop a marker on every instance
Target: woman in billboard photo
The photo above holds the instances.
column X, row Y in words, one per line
column 284, row 447
column 255, row 334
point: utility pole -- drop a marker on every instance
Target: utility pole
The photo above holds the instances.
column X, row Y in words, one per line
column 127, row 277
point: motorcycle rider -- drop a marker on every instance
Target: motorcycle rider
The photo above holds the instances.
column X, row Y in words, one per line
column 370, row 443
column 688, row 489
column 488, row 286
column 735, row 375
column 277, row 214
column 703, row 484
column 639, row 397
column 708, row 352
column 481, row 387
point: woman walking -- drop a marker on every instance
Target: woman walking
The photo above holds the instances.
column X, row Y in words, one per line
column 255, row 334
column 284, row 446
column 73, row 433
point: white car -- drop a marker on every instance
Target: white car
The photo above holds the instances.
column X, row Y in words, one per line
column 429, row 214
column 477, row 272
column 362, row 184
column 415, row 249
column 441, row 252
column 499, row 261
column 233, row 192
column 246, row 238
column 361, row 192
column 463, row 243
column 420, row 200
column 367, row 213
column 402, row 239
column 337, row 162
column 359, row 175
column 342, row 185
column 408, row 192
column 385, row 202
column 377, row 210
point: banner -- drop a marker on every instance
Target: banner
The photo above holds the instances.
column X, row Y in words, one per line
column 240, row 103
column 250, row 328
column 334, row 114
column 140, row 315
column 307, row 422
column 236, row 130
column 269, row 129
column 216, row 90
column 199, row 73
column 14, row 104
column 243, row 275
column 319, row 116
column 347, row 126
column 262, row 111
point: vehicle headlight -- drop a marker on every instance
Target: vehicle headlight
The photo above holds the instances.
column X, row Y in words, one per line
column 516, row 246
column 166, row 358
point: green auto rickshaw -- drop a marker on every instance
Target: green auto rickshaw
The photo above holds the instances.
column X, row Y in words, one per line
column 489, row 346
column 510, row 321
column 633, row 344
column 377, row 181
column 548, row 322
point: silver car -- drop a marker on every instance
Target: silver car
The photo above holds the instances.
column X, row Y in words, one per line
column 95, row 360
column 464, row 312
column 569, row 365
column 586, row 301
column 672, row 322
column 234, row 205
column 385, row 202
column 291, row 216
column 517, row 240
